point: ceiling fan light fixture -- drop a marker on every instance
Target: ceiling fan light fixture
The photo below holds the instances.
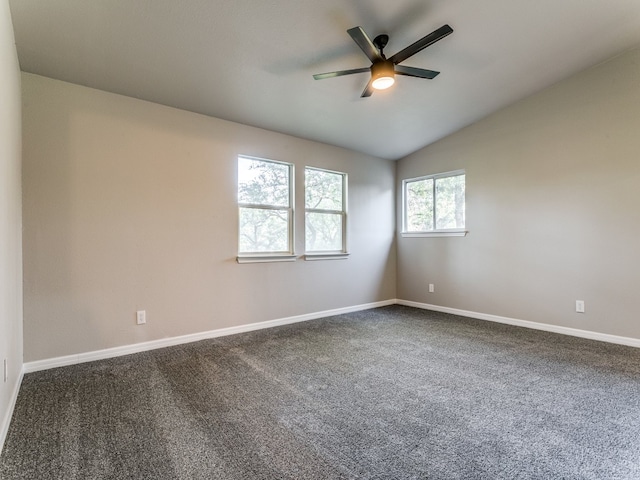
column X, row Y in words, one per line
column 382, row 74
column 382, row 83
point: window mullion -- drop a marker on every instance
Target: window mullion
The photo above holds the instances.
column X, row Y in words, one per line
column 258, row 206
column 321, row 210
column 435, row 210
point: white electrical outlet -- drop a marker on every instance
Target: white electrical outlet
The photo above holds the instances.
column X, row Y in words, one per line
column 580, row 306
column 432, row 288
column 141, row 317
column 5, row 370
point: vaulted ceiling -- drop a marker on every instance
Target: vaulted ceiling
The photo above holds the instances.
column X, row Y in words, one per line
column 251, row 61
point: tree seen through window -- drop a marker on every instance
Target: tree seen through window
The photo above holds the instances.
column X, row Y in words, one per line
column 265, row 212
column 434, row 203
column 325, row 212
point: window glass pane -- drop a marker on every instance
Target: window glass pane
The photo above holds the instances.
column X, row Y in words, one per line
column 419, row 197
column 323, row 190
column 323, row 232
column 263, row 183
column 450, row 202
column 264, row 230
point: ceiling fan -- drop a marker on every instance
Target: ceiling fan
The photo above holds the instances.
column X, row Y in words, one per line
column 383, row 69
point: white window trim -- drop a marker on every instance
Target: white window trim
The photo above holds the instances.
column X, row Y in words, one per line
column 276, row 256
column 439, row 233
column 429, row 233
column 325, row 256
column 330, row 254
column 265, row 258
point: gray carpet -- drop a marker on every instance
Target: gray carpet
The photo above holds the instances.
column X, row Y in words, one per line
column 388, row 393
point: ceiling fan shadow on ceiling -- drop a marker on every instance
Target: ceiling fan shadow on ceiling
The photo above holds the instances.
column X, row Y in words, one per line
column 383, row 70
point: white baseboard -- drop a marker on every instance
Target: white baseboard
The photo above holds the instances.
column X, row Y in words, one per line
column 574, row 332
column 169, row 342
column 4, row 426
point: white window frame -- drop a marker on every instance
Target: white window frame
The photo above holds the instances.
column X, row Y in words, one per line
column 276, row 256
column 448, row 232
column 329, row 254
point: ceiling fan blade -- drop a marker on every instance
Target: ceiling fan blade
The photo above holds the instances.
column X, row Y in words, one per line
column 368, row 90
column 322, row 76
column 364, row 42
column 415, row 72
column 421, row 44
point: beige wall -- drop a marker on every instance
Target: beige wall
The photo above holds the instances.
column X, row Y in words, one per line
column 10, row 218
column 553, row 192
column 131, row 205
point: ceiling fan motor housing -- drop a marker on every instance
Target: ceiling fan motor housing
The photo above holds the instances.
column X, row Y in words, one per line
column 383, row 68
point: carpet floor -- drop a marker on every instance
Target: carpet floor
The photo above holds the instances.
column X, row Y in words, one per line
column 387, row 393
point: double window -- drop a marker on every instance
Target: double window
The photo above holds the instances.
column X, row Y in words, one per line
column 265, row 204
column 434, row 204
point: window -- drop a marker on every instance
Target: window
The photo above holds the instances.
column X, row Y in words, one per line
column 434, row 204
column 265, row 199
column 325, row 211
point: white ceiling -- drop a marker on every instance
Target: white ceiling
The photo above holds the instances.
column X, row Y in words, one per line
column 251, row 61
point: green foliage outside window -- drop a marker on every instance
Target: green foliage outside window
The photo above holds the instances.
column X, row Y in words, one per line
column 434, row 203
column 325, row 212
column 264, row 199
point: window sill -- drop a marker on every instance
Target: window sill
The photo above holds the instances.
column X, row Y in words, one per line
column 451, row 233
column 326, row 256
column 265, row 258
